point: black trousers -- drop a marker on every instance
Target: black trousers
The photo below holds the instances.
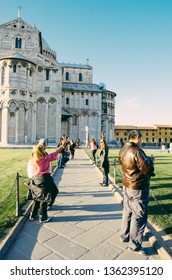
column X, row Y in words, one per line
column 54, row 192
column 105, row 179
column 94, row 155
column 42, row 205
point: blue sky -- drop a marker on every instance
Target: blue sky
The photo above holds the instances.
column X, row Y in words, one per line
column 128, row 43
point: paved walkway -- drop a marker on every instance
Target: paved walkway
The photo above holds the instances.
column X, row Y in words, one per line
column 85, row 224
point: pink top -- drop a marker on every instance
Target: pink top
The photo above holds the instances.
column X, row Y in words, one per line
column 43, row 165
column 93, row 146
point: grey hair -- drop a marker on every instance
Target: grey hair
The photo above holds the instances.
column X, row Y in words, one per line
column 134, row 133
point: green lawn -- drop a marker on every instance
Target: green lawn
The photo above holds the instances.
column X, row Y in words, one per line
column 160, row 202
column 12, row 161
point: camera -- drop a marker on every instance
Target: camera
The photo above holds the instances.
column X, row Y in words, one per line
column 151, row 166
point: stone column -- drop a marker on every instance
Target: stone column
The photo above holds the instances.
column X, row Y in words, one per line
column 34, row 123
column 4, row 134
column 7, row 76
column 26, row 125
column 99, row 127
column 1, row 75
column 17, row 125
column 46, row 121
column 79, row 128
column 87, row 136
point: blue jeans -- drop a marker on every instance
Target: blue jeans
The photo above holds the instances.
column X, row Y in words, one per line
column 61, row 160
column 134, row 216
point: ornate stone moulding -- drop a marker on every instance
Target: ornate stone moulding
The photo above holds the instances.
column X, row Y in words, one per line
column 23, row 93
column 13, row 92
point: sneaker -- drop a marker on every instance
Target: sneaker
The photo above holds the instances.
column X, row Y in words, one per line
column 123, row 240
column 31, row 218
column 103, row 185
column 139, row 252
column 45, row 221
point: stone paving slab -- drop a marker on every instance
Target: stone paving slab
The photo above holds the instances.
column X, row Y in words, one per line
column 93, row 237
column 104, row 251
column 85, row 224
column 66, row 248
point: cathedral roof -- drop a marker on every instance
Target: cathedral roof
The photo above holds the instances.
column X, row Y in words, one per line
column 20, row 24
column 65, row 113
column 74, row 65
column 81, row 87
column 17, row 56
column 45, row 44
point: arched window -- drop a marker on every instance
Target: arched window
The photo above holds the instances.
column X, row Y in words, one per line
column 86, row 102
column 18, row 43
column 67, row 101
column 74, row 120
column 47, row 74
column 80, row 77
column 14, row 68
column 3, row 75
column 67, row 76
column 12, row 115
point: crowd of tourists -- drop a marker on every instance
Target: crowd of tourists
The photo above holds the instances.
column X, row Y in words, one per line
column 137, row 169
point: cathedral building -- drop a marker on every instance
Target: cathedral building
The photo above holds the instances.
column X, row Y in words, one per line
column 42, row 98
